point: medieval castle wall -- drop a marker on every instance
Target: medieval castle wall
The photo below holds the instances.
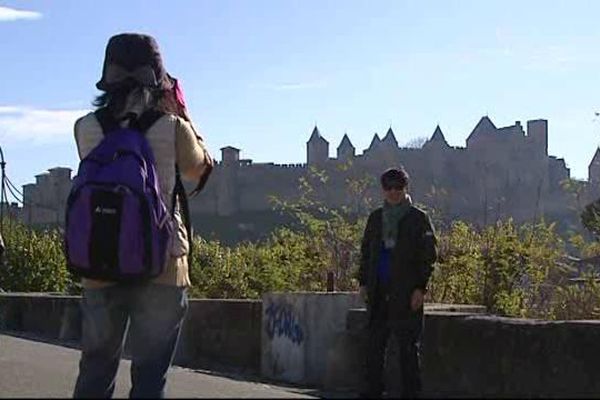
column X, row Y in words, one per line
column 44, row 201
column 501, row 172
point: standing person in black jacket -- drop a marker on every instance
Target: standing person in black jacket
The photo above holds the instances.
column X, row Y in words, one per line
column 398, row 250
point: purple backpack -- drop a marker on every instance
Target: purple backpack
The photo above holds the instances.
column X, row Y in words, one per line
column 117, row 226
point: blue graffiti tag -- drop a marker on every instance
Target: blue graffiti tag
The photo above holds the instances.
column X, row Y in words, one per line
column 281, row 321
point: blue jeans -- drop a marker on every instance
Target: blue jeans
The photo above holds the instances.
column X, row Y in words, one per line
column 153, row 314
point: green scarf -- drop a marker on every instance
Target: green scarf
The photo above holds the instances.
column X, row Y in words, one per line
column 391, row 215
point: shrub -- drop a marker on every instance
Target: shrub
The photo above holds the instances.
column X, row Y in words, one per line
column 578, row 301
column 506, row 268
column 458, row 274
column 513, row 270
column 34, row 261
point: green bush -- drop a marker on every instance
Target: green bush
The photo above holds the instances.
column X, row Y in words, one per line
column 288, row 261
column 578, row 301
column 513, row 270
column 34, row 261
column 458, row 274
column 521, row 270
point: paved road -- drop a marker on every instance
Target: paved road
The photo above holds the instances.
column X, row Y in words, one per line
column 42, row 370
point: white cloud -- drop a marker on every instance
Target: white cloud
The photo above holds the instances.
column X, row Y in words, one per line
column 9, row 110
column 37, row 126
column 11, row 14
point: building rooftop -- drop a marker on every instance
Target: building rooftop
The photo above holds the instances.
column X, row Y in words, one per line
column 484, row 126
column 316, row 135
column 375, row 141
column 230, row 148
column 345, row 142
column 390, row 137
column 60, row 169
column 438, row 135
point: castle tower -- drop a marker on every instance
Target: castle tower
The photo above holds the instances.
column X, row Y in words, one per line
column 29, row 200
column 60, row 174
column 317, row 148
column 44, row 212
column 230, row 156
column 374, row 144
column 227, row 191
column 484, row 128
column 60, row 181
column 437, row 140
column 594, row 169
column 437, row 157
column 537, row 132
column 345, row 150
column 389, row 140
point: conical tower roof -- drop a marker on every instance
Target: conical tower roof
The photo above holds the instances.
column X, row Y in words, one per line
column 596, row 158
column 316, row 136
column 375, row 142
column 390, row 138
column 484, row 126
column 438, row 135
column 437, row 139
column 345, row 143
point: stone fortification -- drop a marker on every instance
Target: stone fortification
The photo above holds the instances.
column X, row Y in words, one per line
column 501, row 172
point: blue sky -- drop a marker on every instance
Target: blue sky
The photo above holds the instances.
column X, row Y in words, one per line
column 259, row 74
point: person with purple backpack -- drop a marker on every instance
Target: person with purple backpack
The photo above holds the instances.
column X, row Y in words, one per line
column 128, row 233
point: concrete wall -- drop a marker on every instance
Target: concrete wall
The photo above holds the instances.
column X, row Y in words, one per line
column 479, row 355
column 220, row 331
column 319, row 339
column 215, row 333
column 298, row 331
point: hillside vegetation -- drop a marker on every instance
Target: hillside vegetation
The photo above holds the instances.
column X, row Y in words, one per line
column 515, row 270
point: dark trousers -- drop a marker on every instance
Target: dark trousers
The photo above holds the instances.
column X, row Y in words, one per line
column 153, row 314
column 408, row 333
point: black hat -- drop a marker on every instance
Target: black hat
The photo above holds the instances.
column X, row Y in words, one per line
column 133, row 57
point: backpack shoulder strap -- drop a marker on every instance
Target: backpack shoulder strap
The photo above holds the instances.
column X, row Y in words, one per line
column 146, row 120
column 106, row 120
column 180, row 197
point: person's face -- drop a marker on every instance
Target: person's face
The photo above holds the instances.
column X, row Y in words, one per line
column 394, row 193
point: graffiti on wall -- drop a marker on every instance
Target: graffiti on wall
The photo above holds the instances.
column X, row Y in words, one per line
column 282, row 321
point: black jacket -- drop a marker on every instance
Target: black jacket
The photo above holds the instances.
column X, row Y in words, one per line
column 411, row 259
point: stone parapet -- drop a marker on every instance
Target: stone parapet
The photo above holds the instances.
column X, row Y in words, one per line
column 222, row 333
column 319, row 339
column 485, row 356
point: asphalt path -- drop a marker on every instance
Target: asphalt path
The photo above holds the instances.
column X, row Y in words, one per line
column 35, row 369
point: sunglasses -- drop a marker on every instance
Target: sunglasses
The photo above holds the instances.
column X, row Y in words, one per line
column 393, row 186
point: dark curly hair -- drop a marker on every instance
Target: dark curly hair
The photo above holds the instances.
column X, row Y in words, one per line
column 115, row 99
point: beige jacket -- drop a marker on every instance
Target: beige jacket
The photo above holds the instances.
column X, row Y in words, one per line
column 172, row 140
